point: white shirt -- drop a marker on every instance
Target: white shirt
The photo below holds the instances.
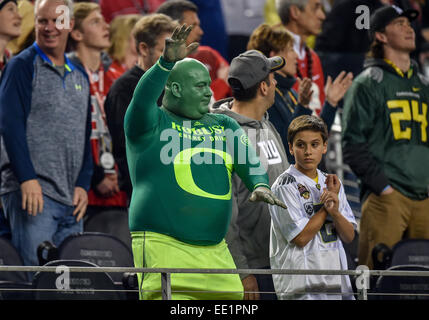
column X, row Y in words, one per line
column 301, row 195
column 314, row 104
column 300, row 51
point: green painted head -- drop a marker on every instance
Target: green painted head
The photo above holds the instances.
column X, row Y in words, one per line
column 187, row 92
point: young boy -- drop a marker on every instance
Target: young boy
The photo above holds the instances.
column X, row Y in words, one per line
column 308, row 234
column 89, row 40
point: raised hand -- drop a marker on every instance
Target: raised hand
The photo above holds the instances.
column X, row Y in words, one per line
column 304, row 91
column 175, row 47
column 266, row 195
column 336, row 90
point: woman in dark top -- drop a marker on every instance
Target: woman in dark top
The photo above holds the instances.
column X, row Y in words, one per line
column 288, row 103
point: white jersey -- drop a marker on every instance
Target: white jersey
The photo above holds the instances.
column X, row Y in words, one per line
column 301, row 195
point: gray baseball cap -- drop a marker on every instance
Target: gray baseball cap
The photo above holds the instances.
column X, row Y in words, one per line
column 251, row 67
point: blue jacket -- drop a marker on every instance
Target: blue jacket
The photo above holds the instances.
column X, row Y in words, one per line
column 45, row 121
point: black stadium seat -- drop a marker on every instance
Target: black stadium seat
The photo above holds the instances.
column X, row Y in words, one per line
column 409, row 287
column 410, row 251
column 9, row 256
column 74, row 286
column 404, row 252
column 10, row 280
column 104, row 250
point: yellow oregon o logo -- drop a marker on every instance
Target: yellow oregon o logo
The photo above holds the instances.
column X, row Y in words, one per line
column 183, row 172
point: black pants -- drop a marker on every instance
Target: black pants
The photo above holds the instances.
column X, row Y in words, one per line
column 266, row 284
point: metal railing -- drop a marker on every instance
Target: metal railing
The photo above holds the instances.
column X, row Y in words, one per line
column 166, row 290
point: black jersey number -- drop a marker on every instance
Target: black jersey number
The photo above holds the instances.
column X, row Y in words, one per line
column 403, row 111
column 328, row 232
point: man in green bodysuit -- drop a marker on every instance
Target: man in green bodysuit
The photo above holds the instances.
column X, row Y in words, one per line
column 181, row 159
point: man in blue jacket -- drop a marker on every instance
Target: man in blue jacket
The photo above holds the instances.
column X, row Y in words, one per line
column 45, row 122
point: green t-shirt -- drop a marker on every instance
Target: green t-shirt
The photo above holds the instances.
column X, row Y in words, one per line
column 181, row 169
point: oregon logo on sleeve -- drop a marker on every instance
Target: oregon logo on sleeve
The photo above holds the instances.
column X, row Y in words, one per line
column 303, row 191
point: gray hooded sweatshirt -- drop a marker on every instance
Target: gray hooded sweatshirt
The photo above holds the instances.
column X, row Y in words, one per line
column 248, row 235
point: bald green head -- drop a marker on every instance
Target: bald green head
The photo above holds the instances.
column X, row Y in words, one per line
column 187, row 92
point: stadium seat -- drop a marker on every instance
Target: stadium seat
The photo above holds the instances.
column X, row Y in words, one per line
column 11, row 290
column 57, row 286
column 404, row 252
column 403, row 285
column 9, row 256
column 104, row 250
column 114, row 222
column 10, row 280
column 410, row 251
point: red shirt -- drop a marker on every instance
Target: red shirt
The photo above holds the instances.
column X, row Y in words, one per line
column 120, row 68
column 112, row 8
column 318, row 80
column 99, row 92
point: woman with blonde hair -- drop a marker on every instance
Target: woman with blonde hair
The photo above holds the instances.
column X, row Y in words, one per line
column 123, row 49
column 10, row 28
column 288, row 104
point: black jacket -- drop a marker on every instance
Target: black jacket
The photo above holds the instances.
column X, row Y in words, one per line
column 339, row 31
column 115, row 106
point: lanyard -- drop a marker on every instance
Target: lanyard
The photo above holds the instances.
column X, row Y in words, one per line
column 104, row 138
column 98, row 92
column 399, row 71
column 292, row 109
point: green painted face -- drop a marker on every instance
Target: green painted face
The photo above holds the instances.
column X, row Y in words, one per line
column 188, row 92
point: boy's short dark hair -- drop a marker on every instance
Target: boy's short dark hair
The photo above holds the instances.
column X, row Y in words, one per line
column 306, row 122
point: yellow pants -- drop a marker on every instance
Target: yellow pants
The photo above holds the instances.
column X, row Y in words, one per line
column 154, row 250
column 387, row 219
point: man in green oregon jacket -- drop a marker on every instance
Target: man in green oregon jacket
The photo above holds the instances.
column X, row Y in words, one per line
column 181, row 159
column 385, row 136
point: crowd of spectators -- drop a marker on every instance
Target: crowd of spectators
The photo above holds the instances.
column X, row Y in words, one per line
column 68, row 76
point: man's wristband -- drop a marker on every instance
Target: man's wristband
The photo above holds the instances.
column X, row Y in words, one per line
column 262, row 185
column 165, row 65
